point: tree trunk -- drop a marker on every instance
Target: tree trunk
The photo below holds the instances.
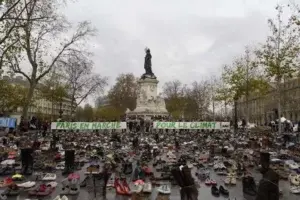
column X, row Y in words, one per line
column 225, row 107
column 279, row 106
column 28, row 101
column 247, row 89
column 73, row 108
column 235, row 117
column 214, row 110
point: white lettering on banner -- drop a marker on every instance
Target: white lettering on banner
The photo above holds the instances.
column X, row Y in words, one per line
column 88, row 125
column 191, row 125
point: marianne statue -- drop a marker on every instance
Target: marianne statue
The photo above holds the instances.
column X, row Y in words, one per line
column 148, row 65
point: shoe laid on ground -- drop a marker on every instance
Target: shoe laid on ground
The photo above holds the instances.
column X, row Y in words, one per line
column 147, row 188
column 126, row 187
column 27, row 184
column 17, row 177
column 65, row 187
column 223, row 191
column 74, row 187
column 208, row 181
column 64, row 198
column 93, row 169
column 136, row 188
column 57, row 198
column 119, row 188
column 215, row 191
column 49, row 177
column 3, row 197
column 65, row 190
column 164, row 189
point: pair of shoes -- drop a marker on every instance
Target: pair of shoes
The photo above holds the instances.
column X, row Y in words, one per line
column 217, row 191
column 223, row 191
column 209, row 181
column 164, row 189
column 70, row 187
column 93, row 169
column 122, row 188
column 61, row 198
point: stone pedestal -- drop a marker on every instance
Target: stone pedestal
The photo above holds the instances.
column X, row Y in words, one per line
column 148, row 102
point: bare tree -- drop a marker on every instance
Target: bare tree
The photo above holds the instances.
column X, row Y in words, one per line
column 200, row 92
column 11, row 19
column 173, row 89
column 80, row 78
column 41, row 42
column 12, row 11
column 174, row 93
column 214, row 83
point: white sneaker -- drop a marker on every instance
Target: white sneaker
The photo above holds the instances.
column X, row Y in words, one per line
column 164, row 189
column 57, row 198
column 147, row 188
column 64, row 197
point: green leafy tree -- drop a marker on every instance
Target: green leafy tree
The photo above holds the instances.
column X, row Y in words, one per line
column 12, row 96
column 88, row 113
column 225, row 96
column 79, row 114
column 123, row 94
column 279, row 54
column 108, row 113
column 240, row 79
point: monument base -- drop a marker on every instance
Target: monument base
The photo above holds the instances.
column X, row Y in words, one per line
column 148, row 104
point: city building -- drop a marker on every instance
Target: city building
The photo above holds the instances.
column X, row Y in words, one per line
column 263, row 108
column 41, row 108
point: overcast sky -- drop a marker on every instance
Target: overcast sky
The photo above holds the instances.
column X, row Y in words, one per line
column 189, row 39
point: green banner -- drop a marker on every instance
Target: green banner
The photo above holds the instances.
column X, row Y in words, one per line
column 191, row 125
column 87, row 125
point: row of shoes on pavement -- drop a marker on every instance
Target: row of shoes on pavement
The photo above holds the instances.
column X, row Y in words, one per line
column 147, row 188
column 70, row 187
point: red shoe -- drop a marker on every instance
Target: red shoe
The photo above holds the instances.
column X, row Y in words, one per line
column 207, row 182
column 119, row 188
column 213, row 182
column 126, row 187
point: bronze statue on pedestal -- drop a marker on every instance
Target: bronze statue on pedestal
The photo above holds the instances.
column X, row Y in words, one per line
column 148, row 66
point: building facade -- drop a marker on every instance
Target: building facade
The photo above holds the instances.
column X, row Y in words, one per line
column 41, row 107
column 263, row 108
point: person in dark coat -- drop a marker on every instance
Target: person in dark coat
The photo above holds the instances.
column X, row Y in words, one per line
column 268, row 186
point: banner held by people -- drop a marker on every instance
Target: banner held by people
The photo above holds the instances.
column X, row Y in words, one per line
column 87, row 125
column 191, row 125
column 8, row 122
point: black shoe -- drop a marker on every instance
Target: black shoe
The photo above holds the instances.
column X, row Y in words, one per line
column 215, row 191
column 223, row 191
column 249, row 186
